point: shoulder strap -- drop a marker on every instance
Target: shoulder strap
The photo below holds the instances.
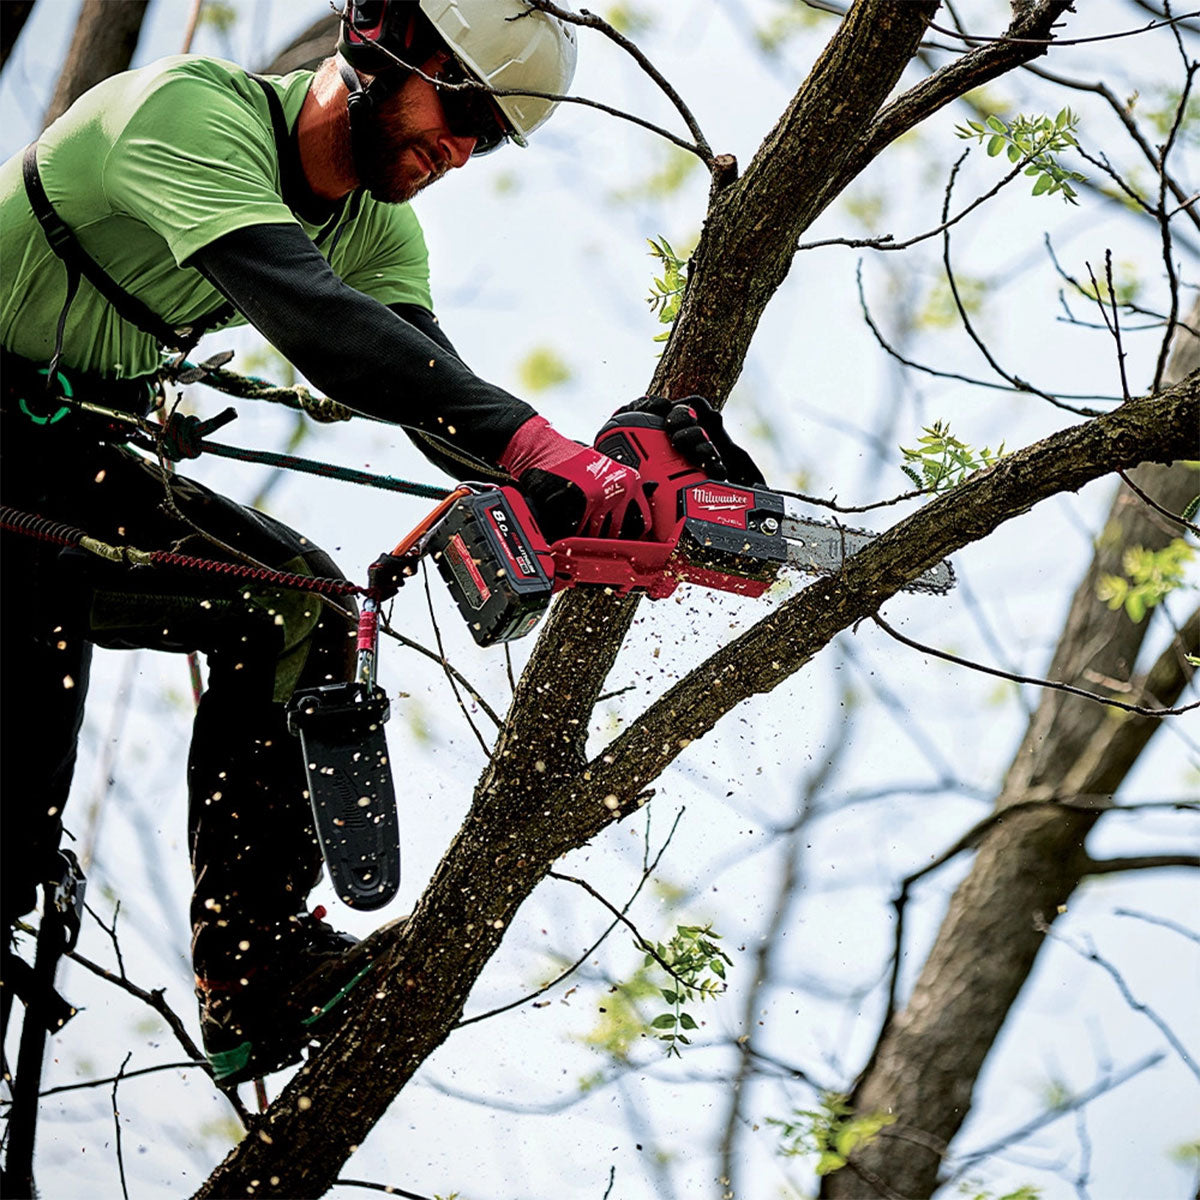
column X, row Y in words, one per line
column 278, row 121
column 291, row 182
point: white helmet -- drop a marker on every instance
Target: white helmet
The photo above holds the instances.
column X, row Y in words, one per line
column 504, row 43
column 509, row 46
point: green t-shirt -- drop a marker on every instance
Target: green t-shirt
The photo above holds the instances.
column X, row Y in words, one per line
column 147, row 168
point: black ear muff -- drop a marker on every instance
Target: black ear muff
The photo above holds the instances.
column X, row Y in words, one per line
column 356, row 94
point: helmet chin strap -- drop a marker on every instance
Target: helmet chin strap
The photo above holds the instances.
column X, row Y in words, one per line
column 362, row 104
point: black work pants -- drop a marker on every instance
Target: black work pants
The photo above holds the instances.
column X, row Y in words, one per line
column 253, row 849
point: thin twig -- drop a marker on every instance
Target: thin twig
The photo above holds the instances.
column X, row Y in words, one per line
column 1113, row 326
column 887, row 242
column 1085, row 1157
column 590, row 20
column 390, row 1188
column 1179, row 520
column 1165, row 223
column 472, row 691
column 968, row 840
column 1100, row 161
column 111, row 930
column 1140, row 709
column 155, row 999
column 1093, row 955
column 1139, row 862
column 856, row 508
column 1098, row 1089
column 1165, row 12
column 1019, row 384
column 117, row 1124
column 612, row 1178
column 990, row 385
column 1173, row 926
column 643, row 943
column 91, row 1083
column 1006, row 39
column 646, row 873
column 1121, row 111
column 703, row 153
column 450, row 673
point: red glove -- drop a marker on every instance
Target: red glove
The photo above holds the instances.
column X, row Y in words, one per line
column 574, row 490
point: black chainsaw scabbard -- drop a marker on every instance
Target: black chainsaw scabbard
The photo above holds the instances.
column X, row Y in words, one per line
column 341, row 734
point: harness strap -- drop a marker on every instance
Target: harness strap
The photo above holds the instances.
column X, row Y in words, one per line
column 279, row 129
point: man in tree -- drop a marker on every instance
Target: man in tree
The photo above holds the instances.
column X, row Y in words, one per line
column 203, row 196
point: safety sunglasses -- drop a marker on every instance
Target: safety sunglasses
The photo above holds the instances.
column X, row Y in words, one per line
column 470, row 111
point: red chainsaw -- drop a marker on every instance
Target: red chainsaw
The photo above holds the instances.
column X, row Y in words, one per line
column 726, row 536
column 502, row 573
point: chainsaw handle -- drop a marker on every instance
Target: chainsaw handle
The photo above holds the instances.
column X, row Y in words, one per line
column 640, row 440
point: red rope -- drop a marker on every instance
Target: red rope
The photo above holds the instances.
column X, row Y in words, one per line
column 284, row 579
column 31, row 525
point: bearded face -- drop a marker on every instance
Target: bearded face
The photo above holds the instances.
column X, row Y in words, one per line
column 404, row 153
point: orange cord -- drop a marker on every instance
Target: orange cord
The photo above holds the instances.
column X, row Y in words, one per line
column 428, row 521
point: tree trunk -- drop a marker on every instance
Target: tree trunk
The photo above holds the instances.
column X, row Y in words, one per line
column 925, row 1065
column 306, row 49
column 13, row 16
column 106, row 36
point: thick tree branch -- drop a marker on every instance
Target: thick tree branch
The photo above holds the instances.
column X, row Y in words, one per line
column 778, row 646
column 754, row 225
column 105, row 38
column 1033, row 23
column 1139, row 862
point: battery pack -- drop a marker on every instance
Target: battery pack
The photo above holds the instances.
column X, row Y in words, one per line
column 495, row 563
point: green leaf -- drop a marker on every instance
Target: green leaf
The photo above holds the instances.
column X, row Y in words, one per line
column 995, row 145
column 543, row 368
column 996, row 124
column 829, row 1162
column 665, row 1021
column 1042, row 185
column 687, row 1021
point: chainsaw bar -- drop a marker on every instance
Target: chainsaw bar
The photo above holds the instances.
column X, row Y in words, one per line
column 822, row 547
column 340, row 727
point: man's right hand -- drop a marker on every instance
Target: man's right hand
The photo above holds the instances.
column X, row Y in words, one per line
column 573, row 490
column 697, row 431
